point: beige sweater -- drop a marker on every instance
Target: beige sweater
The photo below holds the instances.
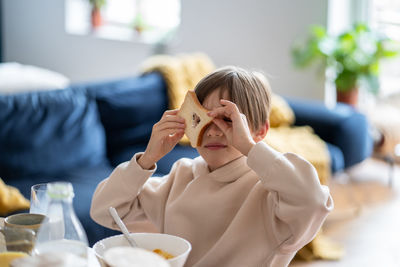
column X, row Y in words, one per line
column 254, row 211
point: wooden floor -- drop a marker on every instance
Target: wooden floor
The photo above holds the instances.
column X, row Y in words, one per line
column 366, row 219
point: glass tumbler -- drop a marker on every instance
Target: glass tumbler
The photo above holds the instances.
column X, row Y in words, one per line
column 39, row 200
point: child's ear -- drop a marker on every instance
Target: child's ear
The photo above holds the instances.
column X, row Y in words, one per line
column 260, row 134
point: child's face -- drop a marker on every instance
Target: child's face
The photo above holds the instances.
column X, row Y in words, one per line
column 214, row 148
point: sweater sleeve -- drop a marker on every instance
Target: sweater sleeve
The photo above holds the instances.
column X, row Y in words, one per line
column 140, row 204
column 296, row 204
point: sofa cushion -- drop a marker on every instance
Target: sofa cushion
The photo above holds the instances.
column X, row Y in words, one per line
column 337, row 158
column 280, row 114
column 342, row 126
column 129, row 108
column 49, row 132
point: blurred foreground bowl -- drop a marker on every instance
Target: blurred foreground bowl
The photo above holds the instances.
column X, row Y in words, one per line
column 177, row 246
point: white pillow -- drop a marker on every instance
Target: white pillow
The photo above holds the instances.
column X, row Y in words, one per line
column 16, row 78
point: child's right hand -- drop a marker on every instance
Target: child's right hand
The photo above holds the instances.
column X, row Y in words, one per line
column 165, row 135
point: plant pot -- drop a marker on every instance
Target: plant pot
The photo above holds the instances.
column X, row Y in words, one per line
column 96, row 18
column 349, row 97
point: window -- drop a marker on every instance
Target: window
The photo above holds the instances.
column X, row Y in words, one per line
column 149, row 21
column 385, row 17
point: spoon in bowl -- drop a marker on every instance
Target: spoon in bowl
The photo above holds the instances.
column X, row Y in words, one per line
column 122, row 226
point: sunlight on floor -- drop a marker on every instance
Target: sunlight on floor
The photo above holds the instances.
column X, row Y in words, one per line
column 366, row 219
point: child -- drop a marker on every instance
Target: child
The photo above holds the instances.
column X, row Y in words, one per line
column 241, row 203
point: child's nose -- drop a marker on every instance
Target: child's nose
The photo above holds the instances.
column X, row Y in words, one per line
column 213, row 130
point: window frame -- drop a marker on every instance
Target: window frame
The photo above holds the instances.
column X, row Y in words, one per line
column 389, row 76
column 116, row 30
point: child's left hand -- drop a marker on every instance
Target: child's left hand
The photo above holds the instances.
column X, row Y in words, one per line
column 234, row 126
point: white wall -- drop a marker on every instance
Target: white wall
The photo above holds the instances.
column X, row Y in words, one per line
column 254, row 34
column 34, row 34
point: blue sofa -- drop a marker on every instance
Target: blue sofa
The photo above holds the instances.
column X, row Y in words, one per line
column 346, row 131
column 80, row 133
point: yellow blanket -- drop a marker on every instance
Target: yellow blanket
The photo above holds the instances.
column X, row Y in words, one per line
column 11, row 199
column 181, row 73
column 302, row 141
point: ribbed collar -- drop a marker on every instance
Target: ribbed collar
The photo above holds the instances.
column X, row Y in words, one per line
column 228, row 173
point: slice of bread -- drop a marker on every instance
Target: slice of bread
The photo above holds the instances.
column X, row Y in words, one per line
column 196, row 118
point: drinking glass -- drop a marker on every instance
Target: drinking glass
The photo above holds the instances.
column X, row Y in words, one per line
column 18, row 239
column 39, row 199
column 39, row 204
column 15, row 243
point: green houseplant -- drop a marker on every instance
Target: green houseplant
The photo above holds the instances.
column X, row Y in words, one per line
column 354, row 57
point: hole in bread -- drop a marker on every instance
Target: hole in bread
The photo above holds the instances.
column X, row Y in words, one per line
column 195, row 120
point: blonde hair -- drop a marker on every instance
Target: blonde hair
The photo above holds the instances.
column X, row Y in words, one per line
column 249, row 90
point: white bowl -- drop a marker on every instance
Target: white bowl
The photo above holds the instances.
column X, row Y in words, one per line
column 174, row 245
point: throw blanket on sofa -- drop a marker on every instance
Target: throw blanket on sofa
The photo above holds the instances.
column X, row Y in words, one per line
column 183, row 72
column 11, row 199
